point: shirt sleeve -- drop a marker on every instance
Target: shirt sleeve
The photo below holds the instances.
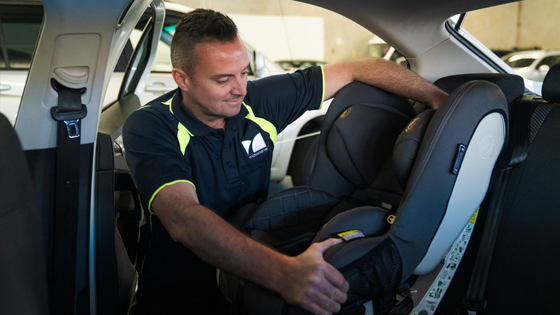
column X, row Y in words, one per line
column 153, row 154
column 281, row 99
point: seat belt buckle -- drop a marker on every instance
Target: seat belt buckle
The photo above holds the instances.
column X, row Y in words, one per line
column 72, row 128
column 474, row 306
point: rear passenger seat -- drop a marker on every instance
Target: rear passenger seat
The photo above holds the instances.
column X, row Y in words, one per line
column 523, row 276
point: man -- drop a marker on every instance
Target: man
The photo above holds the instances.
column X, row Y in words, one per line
column 201, row 152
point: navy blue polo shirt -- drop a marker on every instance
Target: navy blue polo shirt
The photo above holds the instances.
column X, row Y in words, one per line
column 229, row 168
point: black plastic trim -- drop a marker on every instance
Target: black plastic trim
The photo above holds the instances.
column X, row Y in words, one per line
column 472, row 48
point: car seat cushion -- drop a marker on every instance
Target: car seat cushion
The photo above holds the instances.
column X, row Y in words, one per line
column 362, row 139
column 292, row 212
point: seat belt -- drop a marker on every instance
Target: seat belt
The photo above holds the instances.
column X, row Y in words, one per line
column 68, row 114
column 526, row 120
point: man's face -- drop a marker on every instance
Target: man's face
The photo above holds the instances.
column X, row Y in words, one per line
column 218, row 83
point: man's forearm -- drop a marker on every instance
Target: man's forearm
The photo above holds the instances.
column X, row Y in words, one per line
column 386, row 75
column 220, row 244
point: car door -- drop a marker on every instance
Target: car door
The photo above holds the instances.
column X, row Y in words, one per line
column 79, row 46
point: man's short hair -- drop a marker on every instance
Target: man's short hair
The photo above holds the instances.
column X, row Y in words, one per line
column 199, row 26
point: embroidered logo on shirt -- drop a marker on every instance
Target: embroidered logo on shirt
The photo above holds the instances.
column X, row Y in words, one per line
column 255, row 147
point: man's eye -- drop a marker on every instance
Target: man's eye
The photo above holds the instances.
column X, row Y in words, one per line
column 222, row 81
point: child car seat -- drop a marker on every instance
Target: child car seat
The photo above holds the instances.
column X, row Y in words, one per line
column 448, row 181
column 520, row 265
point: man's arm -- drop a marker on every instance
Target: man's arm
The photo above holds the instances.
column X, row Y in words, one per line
column 383, row 74
column 305, row 280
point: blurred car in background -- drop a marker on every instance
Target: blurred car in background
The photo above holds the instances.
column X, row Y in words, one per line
column 532, row 64
column 293, row 65
column 377, row 47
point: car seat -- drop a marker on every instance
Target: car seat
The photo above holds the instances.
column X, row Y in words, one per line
column 24, row 287
column 345, row 167
column 427, row 291
column 448, row 180
column 521, row 259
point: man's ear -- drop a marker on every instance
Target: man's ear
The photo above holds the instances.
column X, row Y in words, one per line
column 181, row 78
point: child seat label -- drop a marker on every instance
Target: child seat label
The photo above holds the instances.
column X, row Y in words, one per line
column 350, row 235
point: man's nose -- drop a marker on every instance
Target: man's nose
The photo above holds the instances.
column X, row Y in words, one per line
column 239, row 86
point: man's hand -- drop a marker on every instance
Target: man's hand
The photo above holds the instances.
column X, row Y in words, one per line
column 314, row 284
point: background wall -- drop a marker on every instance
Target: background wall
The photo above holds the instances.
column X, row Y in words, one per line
column 515, row 25
column 341, row 38
column 500, row 28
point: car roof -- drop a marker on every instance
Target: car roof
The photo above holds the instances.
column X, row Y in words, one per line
column 417, row 29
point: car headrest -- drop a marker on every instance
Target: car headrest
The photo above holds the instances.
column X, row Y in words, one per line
column 551, row 85
column 407, row 145
column 511, row 85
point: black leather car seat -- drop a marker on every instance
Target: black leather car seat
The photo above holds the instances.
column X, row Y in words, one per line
column 447, row 183
column 24, row 271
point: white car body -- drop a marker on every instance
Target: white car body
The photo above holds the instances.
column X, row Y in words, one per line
column 532, row 65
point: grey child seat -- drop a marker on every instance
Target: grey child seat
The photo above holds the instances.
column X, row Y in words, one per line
column 456, row 152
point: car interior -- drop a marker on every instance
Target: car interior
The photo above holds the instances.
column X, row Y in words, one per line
column 441, row 211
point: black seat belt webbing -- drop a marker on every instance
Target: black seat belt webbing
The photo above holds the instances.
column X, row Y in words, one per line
column 68, row 113
column 514, row 156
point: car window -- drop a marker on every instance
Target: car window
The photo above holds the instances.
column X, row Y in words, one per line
column 19, row 29
column 139, row 60
column 376, row 50
column 549, row 61
column 525, row 29
column 20, row 25
column 162, row 62
column 519, row 63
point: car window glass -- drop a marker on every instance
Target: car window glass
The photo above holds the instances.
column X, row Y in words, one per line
column 139, row 60
column 135, row 55
column 20, row 24
column 376, row 50
column 20, row 27
column 522, row 34
column 519, row 63
column 162, row 62
column 549, row 61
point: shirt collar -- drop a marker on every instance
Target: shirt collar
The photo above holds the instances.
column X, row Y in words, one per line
column 193, row 124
